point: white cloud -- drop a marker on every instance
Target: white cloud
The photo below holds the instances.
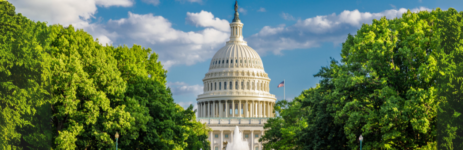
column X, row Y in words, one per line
column 286, row 16
column 393, row 6
column 109, row 3
column 242, row 10
column 173, row 46
column 311, row 32
column 154, row 2
column 64, row 12
column 181, row 88
column 262, row 9
column 206, row 19
column 191, row 1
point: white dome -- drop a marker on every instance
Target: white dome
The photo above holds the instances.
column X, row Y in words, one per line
column 235, row 55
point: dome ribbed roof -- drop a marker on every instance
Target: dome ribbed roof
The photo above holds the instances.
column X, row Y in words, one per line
column 236, row 51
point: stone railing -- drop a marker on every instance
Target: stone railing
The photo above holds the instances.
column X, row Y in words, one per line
column 236, row 93
column 233, row 121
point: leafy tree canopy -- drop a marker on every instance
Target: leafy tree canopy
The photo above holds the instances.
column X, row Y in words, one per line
column 61, row 89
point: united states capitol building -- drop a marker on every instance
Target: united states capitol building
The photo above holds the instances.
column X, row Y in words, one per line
column 236, row 93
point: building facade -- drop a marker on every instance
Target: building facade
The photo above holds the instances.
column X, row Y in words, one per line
column 236, row 93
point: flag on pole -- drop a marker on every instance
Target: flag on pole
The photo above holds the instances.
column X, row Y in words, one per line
column 282, row 84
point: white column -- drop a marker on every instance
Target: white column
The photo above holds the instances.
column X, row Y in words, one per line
column 226, row 108
column 208, row 111
column 212, row 139
column 220, row 109
column 213, row 109
column 252, row 109
column 260, row 109
column 202, row 109
column 246, row 109
column 239, row 108
column 221, row 139
column 233, row 108
column 199, row 110
column 265, row 109
column 252, row 140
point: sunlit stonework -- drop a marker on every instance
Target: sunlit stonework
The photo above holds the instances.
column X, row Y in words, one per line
column 236, row 93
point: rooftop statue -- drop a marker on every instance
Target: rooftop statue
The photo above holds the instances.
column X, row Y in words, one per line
column 237, row 18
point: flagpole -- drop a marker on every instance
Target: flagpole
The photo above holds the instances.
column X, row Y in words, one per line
column 284, row 89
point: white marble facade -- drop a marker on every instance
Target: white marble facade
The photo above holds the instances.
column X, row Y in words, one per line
column 236, row 92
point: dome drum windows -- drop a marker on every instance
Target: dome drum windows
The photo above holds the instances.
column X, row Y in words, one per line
column 231, row 88
column 225, row 85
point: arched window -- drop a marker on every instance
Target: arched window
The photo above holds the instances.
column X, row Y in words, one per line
column 219, row 61
column 225, row 85
column 236, row 60
column 211, row 87
column 236, row 85
column 220, row 85
column 223, row 61
column 231, row 83
column 231, row 61
column 242, row 85
column 215, row 85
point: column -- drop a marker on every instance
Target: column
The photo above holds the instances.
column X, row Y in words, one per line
column 264, row 109
column 221, row 139
column 208, row 109
column 246, row 109
column 212, row 139
column 233, row 108
column 213, row 109
column 260, row 109
column 251, row 104
column 226, row 109
column 199, row 110
column 252, row 139
column 220, row 109
column 239, row 108
column 202, row 109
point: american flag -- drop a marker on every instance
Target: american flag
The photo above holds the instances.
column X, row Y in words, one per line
column 282, row 84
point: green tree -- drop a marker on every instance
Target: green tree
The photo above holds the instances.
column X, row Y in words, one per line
column 63, row 90
column 23, row 95
column 450, row 53
column 386, row 88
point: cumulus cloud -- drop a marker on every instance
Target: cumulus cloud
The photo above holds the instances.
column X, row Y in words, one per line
column 181, row 88
column 311, row 32
column 154, row 2
column 173, row 46
column 206, row 19
column 286, row 16
column 262, row 9
column 242, row 10
column 64, row 12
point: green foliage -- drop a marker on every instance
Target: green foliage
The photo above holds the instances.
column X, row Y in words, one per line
column 450, row 122
column 393, row 78
column 63, row 90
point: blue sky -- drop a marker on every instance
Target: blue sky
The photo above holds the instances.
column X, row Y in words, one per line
column 294, row 38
